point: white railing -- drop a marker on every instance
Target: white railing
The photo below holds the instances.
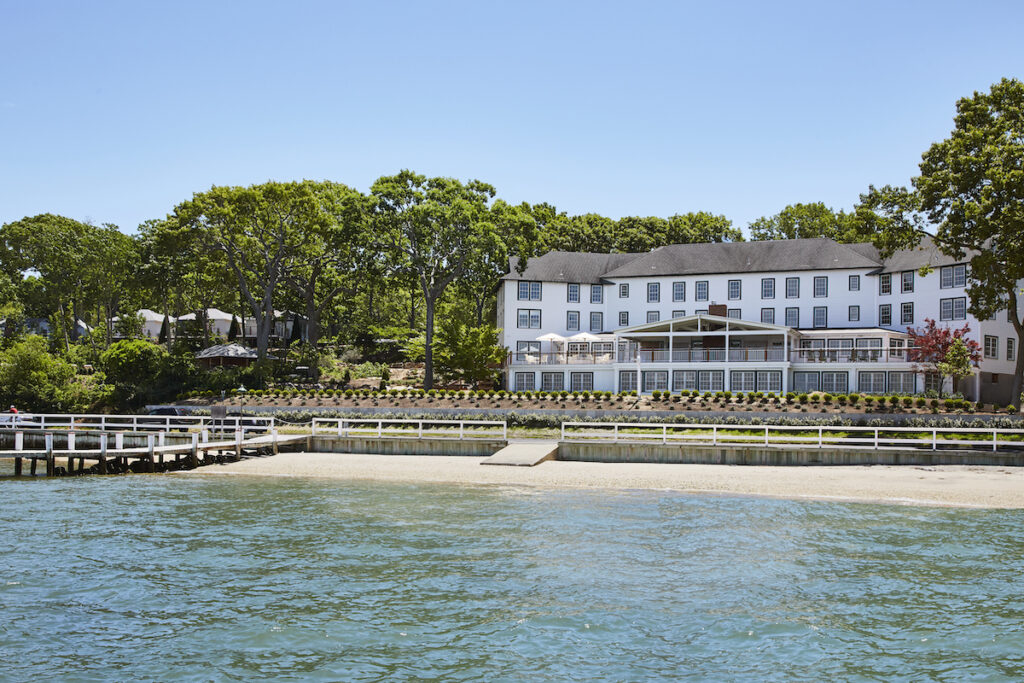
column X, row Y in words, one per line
column 431, row 429
column 874, row 438
column 135, row 423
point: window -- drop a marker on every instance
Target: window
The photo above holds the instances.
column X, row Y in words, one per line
column 871, row 382
column 820, row 316
column 572, row 320
column 581, row 381
column 735, row 290
column 907, row 281
column 793, row 317
column 743, row 380
column 907, row 313
column 768, row 315
column 734, row 313
column 769, row 380
column 853, row 314
column 805, row 382
column 991, row 346
column 768, row 288
column 897, row 349
column 701, row 311
column 885, row 314
column 529, row 291
column 679, row 314
column 678, row 291
column 623, row 318
column 835, row 382
column 821, row 286
column 552, row 381
column 527, row 351
column 624, row 290
column 596, row 294
column 596, row 321
column 653, row 292
column 885, row 283
column 792, row 288
column 1011, row 351
column 953, row 276
column 702, row 290
column 933, row 382
column 572, row 293
column 855, row 283
column 528, row 318
column 953, row 309
column 710, row 380
column 524, row 381
column 627, row 380
column 902, row 383
column 655, row 380
column 652, row 316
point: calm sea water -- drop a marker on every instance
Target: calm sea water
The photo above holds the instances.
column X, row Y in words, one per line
column 175, row 577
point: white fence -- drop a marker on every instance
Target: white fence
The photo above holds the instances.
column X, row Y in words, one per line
column 872, row 438
column 136, row 423
column 430, row 429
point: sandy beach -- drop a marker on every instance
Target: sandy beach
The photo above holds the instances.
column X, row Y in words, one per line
column 959, row 486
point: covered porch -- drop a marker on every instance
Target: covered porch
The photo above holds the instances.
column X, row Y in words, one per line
column 705, row 339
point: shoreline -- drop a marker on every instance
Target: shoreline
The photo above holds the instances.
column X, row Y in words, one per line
column 969, row 487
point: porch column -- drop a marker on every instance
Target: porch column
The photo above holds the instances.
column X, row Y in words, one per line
column 977, row 386
column 727, row 380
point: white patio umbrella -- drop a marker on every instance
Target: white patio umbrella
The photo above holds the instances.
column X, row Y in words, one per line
column 551, row 337
column 584, row 337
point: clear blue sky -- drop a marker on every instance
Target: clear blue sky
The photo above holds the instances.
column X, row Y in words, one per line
column 116, row 111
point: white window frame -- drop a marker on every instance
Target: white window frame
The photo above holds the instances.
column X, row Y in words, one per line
column 885, row 311
column 623, row 290
column 569, row 317
column 792, row 287
column 821, row 286
column 679, row 313
column 854, row 283
column 697, row 294
column 805, row 381
column 627, row 380
column 572, row 293
column 653, row 316
column 679, row 291
column 599, row 317
column 905, row 307
column 529, row 313
column 1011, row 348
column 684, row 380
column 521, row 383
column 734, row 313
column 653, row 292
column 768, row 316
column 736, row 285
column 623, row 318
column 655, row 380
column 548, row 383
column 835, row 382
column 991, row 346
column 885, row 284
column 596, row 294
column 868, row 382
column 743, row 380
column 823, row 310
column 906, row 282
column 953, row 308
column 793, row 310
column 581, row 381
column 853, row 313
column 531, row 289
column 767, row 288
column 902, row 382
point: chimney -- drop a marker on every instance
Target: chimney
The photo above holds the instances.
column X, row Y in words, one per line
column 718, row 309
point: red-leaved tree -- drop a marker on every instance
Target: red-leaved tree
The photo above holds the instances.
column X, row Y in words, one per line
column 929, row 345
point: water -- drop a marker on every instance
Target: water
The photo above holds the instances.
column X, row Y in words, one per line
column 191, row 577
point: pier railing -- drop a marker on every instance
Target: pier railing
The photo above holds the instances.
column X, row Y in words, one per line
column 419, row 429
column 786, row 436
column 136, row 423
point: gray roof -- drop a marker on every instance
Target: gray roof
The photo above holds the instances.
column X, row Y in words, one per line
column 569, row 266
column 924, row 254
column 227, row 351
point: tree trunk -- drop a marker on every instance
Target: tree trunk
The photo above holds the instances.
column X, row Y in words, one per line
column 412, row 308
column 428, row 347
column 1018, row 372
column 63, row 326
column 312, row 319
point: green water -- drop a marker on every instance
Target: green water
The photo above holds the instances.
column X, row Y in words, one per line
column 186, row 577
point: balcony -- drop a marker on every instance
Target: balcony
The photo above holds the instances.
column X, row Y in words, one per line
column 736, row 355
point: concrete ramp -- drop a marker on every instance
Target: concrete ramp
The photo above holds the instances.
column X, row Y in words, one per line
column 524, row 454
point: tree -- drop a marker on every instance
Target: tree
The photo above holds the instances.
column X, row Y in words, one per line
column 798, row 221
column 931, row 346
column 468, row 352
column 434, row 229
column 957, row 361
column 32, row 379
column 134, row 366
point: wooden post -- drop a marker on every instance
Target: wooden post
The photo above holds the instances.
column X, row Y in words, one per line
column 238, row 444
column 19, row 441
column 103, row 463
column 274, row 446
column 32, row 470
column 193, row 456
column 119, row 441
column 49, row 455
column 17, row 467
column 71, row 441
column 103, row 446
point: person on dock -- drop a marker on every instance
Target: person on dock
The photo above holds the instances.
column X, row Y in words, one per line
column 12, row 410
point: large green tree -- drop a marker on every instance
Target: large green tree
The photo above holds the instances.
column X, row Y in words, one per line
column 807, row 220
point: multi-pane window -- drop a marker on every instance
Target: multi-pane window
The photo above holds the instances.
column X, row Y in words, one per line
column 572, row 293
column 624, row 290
column 581, row 381
column 907, row 281
column 953, row 276
column 855, row 283
column 885, row 314
column 652, row 316
column 835, row 382
column 742, row 380
column 701, row 311
column 678, row 291
column 684, row 380
column 907, row 313
column 821, row 286
column 653, row 292
column 655, row 380
column 820, row 316
column 805, row 382
column 596, row 294
column 701, row 293
column 769, row 380
column 991, row 346
column 572, row 320
column 679, row 313
column 734, row 313
column 871, row 382
column 767, row 288
column 627, row 380
column 710, row 380
column 529, row 291
column 528, row 318
column 793, row 317
column 768, row 315
column 1011, row 349
column 623, row 318
column 902, row 383
column 792, row 288
column 885, row 283
column 897, row 349
column 933, row 382
column 596, row 321
column 552, row 381
column 953, row 309
column 853, row 314
column 735, row 290
column 524, row 381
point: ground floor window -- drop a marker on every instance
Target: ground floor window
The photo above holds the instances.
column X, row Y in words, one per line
column 711, row 380
column 627, row 380
column 655, row 380
column 769, row 380
column 805, row 382
column 902, row 383
column 684, row 380
column 871, row 382
column 933, row 382
column 552, row 381
column 581, row 381
column 835, row 382
column 524, row 381
column 743, row 380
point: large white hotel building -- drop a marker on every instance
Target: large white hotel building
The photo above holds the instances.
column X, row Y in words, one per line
column 789, row 315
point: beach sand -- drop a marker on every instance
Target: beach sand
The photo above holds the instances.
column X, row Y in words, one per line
column 960, row 486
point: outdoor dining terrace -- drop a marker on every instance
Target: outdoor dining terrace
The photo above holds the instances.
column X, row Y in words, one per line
column 712, row 355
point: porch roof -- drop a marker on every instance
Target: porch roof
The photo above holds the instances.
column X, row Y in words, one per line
column 699, row 323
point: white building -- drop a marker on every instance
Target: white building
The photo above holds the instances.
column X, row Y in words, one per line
column 787, row 315
column 152, row 322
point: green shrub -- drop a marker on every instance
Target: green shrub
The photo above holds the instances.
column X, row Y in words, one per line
column 656, row 395
column 803, row 398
